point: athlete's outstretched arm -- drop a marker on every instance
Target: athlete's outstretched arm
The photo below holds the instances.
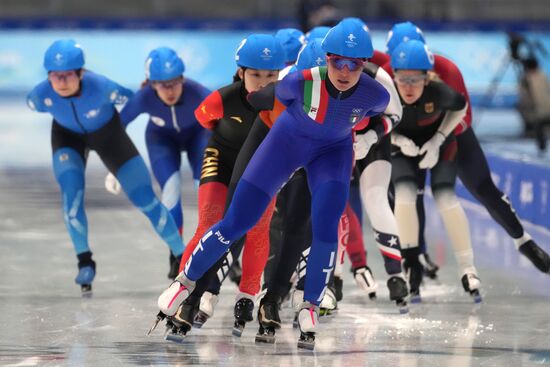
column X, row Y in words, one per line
column 132, row 109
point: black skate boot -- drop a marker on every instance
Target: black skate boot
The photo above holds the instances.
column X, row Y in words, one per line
column 398, row 292
column 243, row 314
column 179, row 325
column 86, row 273
column 430, row 268
column 537, row 255
column 471, row 284
column 269, row 320
column 174, row 266
column 414, row 270
column 338, row 287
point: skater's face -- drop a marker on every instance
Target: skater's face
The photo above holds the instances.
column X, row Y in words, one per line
column 65, row 83
column 344, row 72
column 410, row 84
column 255, row 79
column 169, row 91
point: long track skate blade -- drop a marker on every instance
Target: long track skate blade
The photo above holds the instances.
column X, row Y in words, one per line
column 265, row 338
column 176, row 338
column 237, row 331
column 476, row 297
column 197, row 325
column 403, row 307
column 306, row 340
column 86, row 290
column 200, row 319
column 160, row 317
column 307, row 345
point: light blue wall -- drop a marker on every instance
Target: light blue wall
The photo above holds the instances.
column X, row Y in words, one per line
column 120, row 54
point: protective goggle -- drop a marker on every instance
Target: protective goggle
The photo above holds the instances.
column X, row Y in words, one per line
column 169, row 84
column 62, row 75
column 339, row 62
column 413, row 80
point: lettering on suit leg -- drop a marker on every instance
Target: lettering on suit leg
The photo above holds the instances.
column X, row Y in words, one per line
column 327, row 272
column 197, row 248
column 221, row 238
column 210, row 162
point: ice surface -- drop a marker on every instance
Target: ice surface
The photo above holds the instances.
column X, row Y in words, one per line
column 45, row 321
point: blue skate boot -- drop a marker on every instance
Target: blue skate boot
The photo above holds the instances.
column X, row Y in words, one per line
column 86, row 272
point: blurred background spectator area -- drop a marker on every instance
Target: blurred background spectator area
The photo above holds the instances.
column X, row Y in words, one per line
column 318, row 10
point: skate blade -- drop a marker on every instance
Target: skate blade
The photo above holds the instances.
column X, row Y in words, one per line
column 237, row 331
column 160, row 317
column 86, row 290
column 416, row 299
column 265, row 339
column 87, row 295
column 402, row 306
column 200, row 319
column 307, row 345
column 372, row 296
column 476, row 297
column 176, row 338
column 197, row 324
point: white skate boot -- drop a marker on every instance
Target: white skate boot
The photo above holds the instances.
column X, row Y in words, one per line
column 296, row 301
column 177, row 292
column 471, row 283
column 206, row 309
column 308, row 321
column 365, row 281
column 328, row 304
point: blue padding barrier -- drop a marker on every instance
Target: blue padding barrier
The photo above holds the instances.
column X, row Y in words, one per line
column 524, row 181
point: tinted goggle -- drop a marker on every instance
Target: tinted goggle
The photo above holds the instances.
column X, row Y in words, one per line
column 340, row 62
column 169, row 84
column 413, row 80
column 63, row 75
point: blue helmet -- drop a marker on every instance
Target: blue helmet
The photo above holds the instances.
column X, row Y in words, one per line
column 64, row 55
column 402, row 32
column 316, row 32
column 291, row 40
column 163, row 63
column 349, row 38
column 353, row 20
column 413, row 55
column 311, row 55
column 261, row 52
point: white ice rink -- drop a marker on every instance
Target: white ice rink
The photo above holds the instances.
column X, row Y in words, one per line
column 45, row 322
